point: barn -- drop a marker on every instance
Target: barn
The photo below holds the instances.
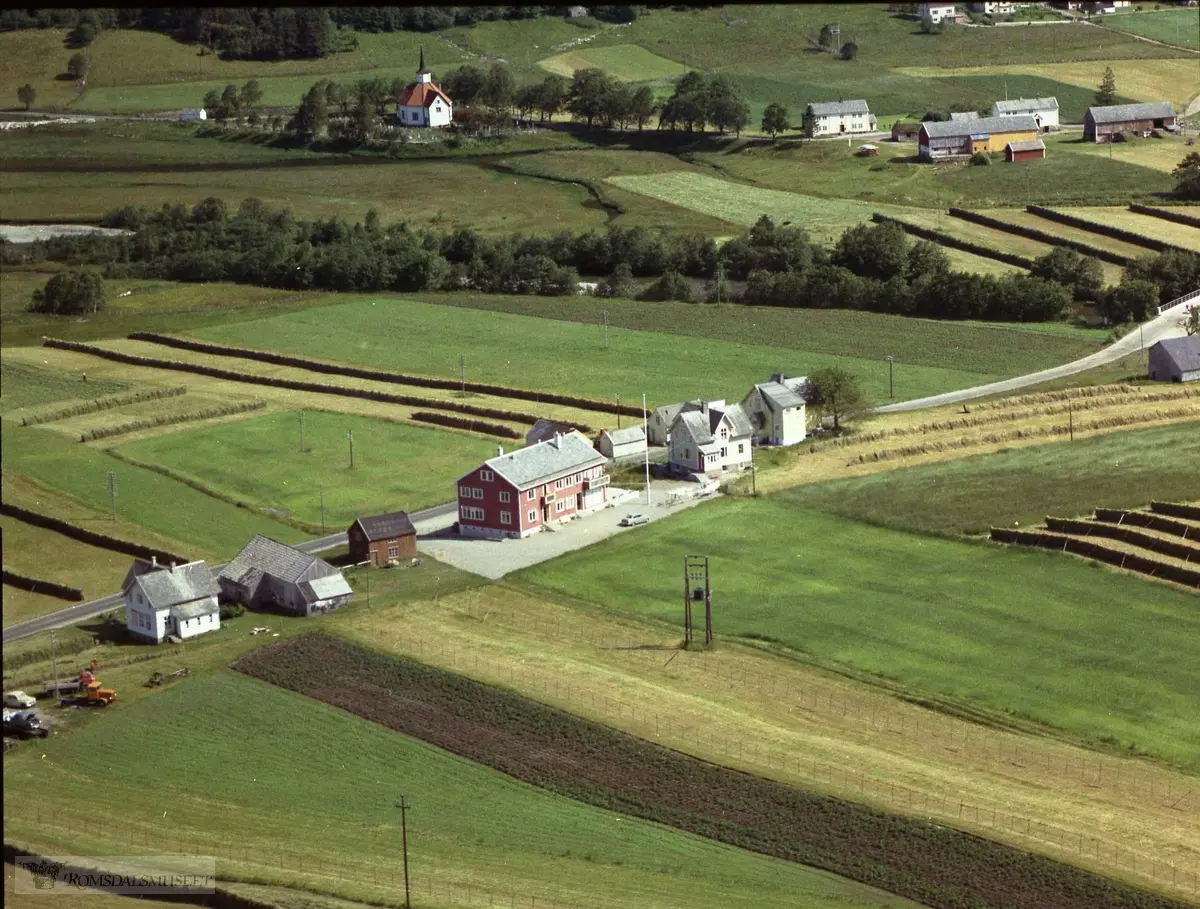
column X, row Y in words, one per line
column 1100, row 124
column 622, row 443
column 1024, row 151
column 382, row 538
column 268, row 574
column 1175, row 360
column 939, row 140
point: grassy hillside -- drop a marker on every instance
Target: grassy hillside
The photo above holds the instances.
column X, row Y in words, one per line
column 396, row 466
column 234, row 779
column 1027, row 632
column 1173, row 26
column 570, row 356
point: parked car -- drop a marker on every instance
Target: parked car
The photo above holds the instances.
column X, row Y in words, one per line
column 19, row 700
column 632, row 520
column 26, row 725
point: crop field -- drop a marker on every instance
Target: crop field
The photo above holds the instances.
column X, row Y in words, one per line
column 1020, row 486
column 1172, row 26
column 258, row 460
column 1100, row 241
column 627, row 62
column 468, row 826
column 1175, row 79
column 23, row 386
column 1162, row 155
column 427, row 339
column 533, row 742
column 1016, row 631
column 1183, row 235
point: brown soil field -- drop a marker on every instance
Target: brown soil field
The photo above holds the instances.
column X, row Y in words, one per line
column 937, row 866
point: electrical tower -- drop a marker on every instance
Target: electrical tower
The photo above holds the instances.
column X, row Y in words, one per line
column 696, row 589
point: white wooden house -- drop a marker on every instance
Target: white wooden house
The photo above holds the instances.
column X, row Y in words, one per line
column 777, row 410
column 1043, row 110
column 710, row 440
column 835, row 118
column 622, row 443
column 164, row 601
column 193, row 113
column 423, row 104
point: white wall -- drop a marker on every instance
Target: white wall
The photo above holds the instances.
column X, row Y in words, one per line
column 141, row 619
column 189, row 628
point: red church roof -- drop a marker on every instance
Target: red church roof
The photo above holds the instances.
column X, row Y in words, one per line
column 421, row 94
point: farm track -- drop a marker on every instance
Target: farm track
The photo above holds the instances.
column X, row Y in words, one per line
column 775, row 716
column 929, row 863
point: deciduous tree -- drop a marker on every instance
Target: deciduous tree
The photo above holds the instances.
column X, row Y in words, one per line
column 849, row 51
column 837, row 393
column 27, row 95
column 70, row 293
column 78, row 65
column 775, row 119
column 825, row 38
column 1187, row 176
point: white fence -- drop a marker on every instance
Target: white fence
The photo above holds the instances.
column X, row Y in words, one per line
column 1195, row 293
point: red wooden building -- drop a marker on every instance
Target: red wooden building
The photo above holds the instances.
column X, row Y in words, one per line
column 382, row 538
column 517, row 494
column 1029, row 150
column 1100, row 124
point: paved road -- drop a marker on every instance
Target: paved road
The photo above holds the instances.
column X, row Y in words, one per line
column 83, row 611
column 1164, row 326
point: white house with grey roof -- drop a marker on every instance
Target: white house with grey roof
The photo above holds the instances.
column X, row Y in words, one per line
column 659, row 427
column 268, row 574
column 714, row 439
column 834, row 118
column 520, row 493
column 622, row 443
column 1043, row 110
column 1175, row 360
column 164, row 601
column 777, row 410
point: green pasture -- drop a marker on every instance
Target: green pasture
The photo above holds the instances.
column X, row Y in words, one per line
column 1029, row 633
column 627, row 62
column 397, row 467
column 1020, row 486
column 570, row 356
column 205, row 527
column 233, row 779
column 1171, row 26
column 24, row 386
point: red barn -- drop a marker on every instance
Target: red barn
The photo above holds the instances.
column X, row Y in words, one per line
column 1030, row 150
column 517, row 494
column 382, row 538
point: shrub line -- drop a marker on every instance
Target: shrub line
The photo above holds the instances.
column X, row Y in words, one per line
column 1189, row 577
column 1164, row 214
column 105, row 403
column 100, row 540
column 105, row 432
column 1032, row 233
column 37, row 585
column 926, row 233
column 1107, row 230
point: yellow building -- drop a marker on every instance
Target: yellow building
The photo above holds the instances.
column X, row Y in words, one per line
column 951, row 138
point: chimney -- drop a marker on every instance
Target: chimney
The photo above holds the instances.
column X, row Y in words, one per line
column 154, row 561
column 499, row 451
column 557, row 439
column 172, row 564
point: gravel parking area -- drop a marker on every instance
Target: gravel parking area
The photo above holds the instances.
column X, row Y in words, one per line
column 494, row 559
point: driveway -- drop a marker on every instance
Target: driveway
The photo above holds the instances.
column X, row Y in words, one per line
column 494, row 559
column 1164, row 326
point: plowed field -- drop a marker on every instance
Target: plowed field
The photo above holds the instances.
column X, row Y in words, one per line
column 598, row 765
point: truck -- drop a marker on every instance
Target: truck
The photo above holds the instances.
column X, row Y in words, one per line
column 25, row 724
column 93, row 695
column 68, row 686
column 18, row 700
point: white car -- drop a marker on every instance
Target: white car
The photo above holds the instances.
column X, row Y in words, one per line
column 19, row 700
column 632, row 520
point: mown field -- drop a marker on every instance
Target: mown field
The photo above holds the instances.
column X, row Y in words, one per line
column 1026, row 632
column 498, row 347
column 1020, row 486
column 1183, row 235
column 397, row 467
column 468, row 824
column 935, row 865
column 627, row 62
column 23, row 386
column 1173, row 26
column 1022, row 218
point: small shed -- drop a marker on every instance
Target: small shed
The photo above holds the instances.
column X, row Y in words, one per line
column 905, row 130
column 382, row 538
column 193, row 113
column 1029, row 150
column 1175, row 360
column 622, row 443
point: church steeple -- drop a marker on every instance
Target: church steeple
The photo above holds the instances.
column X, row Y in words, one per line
column 423, row 71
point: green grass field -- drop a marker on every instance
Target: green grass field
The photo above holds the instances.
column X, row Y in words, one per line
column 205, row 527
column 234, row 776
column 24, row 386
column 1030, row 633
column 1172, row 26
column 1022, row 485
column 396, row 466
column 1146, row 225
column 627, row 62
column 500, row 348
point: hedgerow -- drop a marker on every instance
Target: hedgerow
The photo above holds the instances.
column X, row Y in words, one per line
column 1042, row 236
column 106, row 403
column 169, row 419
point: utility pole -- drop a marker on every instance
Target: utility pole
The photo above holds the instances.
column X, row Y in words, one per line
column 350, row 439
column 53, row 664
column 367, row 565
column 462, row 371
column 302, row 432
column 1071, row 420
column 891, row 384
column 403, row 805
column 618, row 410
column 322, row 511
column 112, row 492
column 604, row 313
column 646, row 429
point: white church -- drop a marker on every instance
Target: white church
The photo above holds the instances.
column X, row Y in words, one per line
column 422, row 103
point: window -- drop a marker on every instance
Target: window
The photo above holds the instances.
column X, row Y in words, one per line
column 560, row 505
column 469, row 513
column 558, row 484
column 487, row 476
column 464, row 492
column 724, row 452
column 529, row 495
column 505, row 496
column 476, row 493
column 741, row 447
column 393, row 551
column 506, row 517
column 533, row 514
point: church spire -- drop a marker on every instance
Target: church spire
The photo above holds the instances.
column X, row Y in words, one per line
column 422, row 68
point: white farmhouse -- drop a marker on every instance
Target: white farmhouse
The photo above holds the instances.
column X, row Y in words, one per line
column 422, row 103
column 622, row 443
column 170, row 601
column 662, row 418
column 710, row 440
column 777, row 410
column 835, row 118
column 1043, row 110
column 937, row 12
